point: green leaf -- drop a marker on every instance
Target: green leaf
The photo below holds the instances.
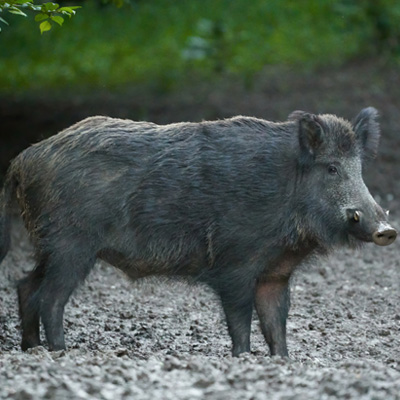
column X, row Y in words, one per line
column 59, row 20
column 45, row 26
column 16, row 11
column 68, row 9
column 3, row 21
column 41, row 17
column 34, row 7
column 50, row 6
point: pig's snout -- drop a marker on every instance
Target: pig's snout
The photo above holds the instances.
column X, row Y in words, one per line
column 366, row 229
column 384, row 235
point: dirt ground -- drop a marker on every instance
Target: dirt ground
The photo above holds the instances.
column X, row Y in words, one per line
column 168, row 340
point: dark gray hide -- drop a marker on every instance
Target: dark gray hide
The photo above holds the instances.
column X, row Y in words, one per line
column 236, row 204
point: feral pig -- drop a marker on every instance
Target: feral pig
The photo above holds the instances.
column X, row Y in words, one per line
column 236, row 204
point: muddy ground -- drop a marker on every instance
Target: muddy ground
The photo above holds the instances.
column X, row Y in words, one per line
column 167, row 340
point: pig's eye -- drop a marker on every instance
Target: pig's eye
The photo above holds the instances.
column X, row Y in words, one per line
column 332, row 170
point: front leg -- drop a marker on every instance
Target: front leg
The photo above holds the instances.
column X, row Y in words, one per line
column 238, row 318
column 237, row 298
column 272, row 303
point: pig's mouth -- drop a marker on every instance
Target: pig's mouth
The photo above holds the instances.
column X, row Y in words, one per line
column 382, row 234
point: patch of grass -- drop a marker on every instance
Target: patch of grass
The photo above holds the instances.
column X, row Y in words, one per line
column 163, row 42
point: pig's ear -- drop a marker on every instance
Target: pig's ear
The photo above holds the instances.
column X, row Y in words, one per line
column 367, row 131
column 296, row 115
column 311, row 133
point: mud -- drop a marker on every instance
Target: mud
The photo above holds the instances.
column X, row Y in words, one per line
column 167, row 340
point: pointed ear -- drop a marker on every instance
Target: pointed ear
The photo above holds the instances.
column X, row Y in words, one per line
column 367, row 131
column 311, row 133
column 296, row 115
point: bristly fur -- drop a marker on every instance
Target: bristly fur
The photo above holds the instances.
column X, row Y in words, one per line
column 6, row 196
column 235, row 203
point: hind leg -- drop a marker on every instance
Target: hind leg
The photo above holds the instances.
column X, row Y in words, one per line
column 29, row 310
column 63, row 274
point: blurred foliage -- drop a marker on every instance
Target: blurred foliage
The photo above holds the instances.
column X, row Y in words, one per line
column 47, row 13
column 381, row 20
column 167, row 42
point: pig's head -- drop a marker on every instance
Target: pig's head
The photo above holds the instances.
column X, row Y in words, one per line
column 335, row 203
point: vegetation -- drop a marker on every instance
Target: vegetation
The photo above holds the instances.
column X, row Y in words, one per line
column 164, row 42
column 46, row 13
